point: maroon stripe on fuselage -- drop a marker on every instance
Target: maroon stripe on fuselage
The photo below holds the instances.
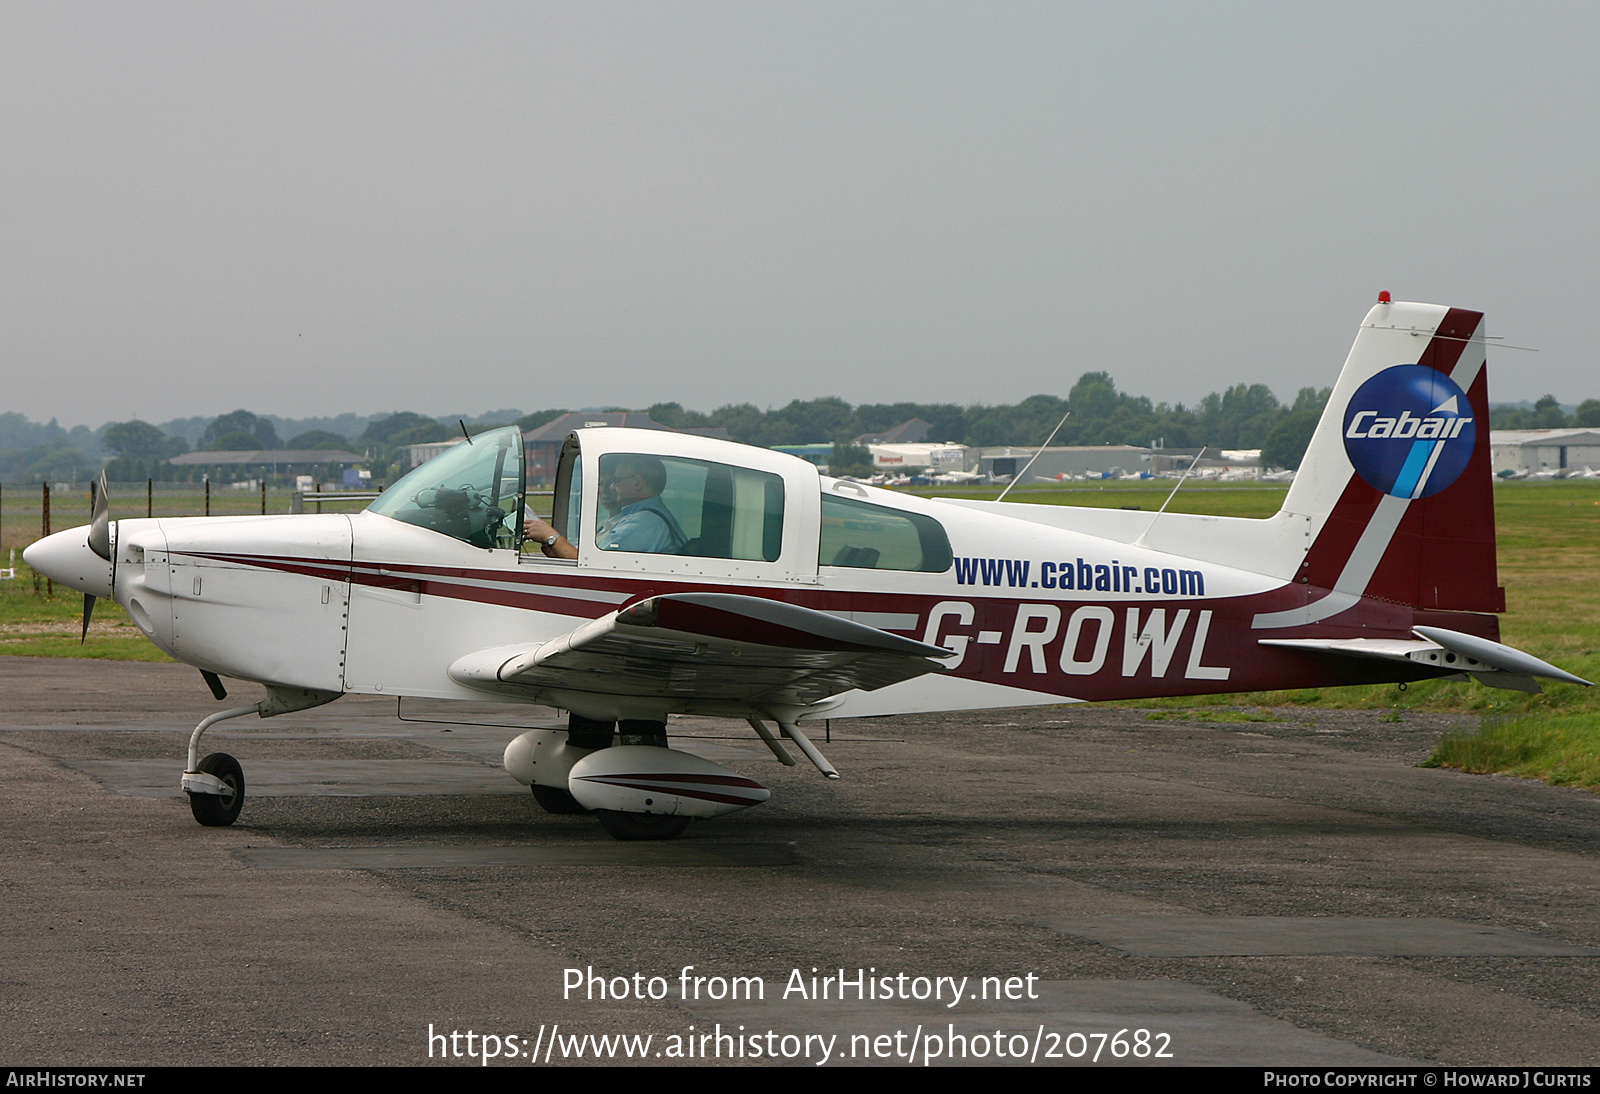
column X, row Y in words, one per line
column 333, row 569
column 1231, row 642
column 510, row 577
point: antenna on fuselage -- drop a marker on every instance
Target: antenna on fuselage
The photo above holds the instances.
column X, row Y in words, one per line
column 463, row 424
column 1018, row 476
column 1183, row 478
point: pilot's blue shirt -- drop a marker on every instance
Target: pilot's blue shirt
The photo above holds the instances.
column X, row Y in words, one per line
column 646, row 525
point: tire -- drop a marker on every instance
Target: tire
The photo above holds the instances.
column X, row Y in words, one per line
column 219, row 810
column 641, row 826
column 554, row 799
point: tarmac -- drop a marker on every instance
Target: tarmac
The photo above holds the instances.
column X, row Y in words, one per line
column 1057, row 886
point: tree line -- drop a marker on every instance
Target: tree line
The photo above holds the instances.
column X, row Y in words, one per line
column 1242, row 416
column 1546, row 414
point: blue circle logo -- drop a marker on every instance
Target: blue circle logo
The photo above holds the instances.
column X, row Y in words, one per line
column 1409, row 431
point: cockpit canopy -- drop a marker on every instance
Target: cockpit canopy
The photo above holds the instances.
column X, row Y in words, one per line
column 658, row 494
column 472, row 492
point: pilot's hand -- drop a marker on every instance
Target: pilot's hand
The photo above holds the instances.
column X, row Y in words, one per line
column 541, row 532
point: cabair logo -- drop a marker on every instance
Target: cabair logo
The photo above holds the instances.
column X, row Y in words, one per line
column 1409, row 431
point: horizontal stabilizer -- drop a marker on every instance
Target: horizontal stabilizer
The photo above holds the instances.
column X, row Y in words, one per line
column 1501, row 656
column 1444, row 649
column 708, row 648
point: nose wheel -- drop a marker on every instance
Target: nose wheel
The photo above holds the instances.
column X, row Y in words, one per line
column 219, row 810
column 215, row 785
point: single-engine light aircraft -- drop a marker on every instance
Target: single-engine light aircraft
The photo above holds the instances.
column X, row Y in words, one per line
column 693, row 576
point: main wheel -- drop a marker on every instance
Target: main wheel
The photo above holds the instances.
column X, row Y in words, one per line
column 220, row 810
column 633, row 826
column 555, row 799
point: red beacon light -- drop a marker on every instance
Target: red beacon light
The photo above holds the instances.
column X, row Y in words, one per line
column 1383, row 297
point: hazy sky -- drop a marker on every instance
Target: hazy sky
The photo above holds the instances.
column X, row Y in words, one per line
column 314, row 208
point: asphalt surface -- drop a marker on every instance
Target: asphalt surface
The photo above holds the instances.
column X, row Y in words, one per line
column 1279, row 892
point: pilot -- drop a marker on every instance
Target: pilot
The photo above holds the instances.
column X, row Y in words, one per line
column 640, row 520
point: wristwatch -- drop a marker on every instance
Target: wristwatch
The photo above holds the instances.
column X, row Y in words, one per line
column 551, row 542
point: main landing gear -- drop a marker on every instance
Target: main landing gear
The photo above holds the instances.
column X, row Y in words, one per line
column 553, row 799
column 626, row 775
column 633, row 826
column 593, row 735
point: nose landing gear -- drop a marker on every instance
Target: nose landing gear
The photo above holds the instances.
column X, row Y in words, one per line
column 216, row 810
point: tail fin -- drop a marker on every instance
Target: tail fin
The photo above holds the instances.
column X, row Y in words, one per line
column 1396, row 482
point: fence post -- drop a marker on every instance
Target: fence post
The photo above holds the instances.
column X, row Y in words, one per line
column 149, row 497
column 208, row 495
column 263, row 497
column 44, row 521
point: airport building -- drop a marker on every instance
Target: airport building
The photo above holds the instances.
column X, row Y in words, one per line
column 258, row 463
column 890, row 459
column 911, row 458
column 1539, row 451
column 1074, row 461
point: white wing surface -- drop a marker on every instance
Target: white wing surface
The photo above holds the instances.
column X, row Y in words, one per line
column 718, row 648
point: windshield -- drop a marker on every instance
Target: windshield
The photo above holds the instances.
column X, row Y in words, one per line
column 472, row 492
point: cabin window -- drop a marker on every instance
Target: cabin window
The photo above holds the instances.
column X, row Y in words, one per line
column 864, row 536
column 675, row 506
column 472, row 492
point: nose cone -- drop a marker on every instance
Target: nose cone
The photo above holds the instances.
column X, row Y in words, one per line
column 66, row 557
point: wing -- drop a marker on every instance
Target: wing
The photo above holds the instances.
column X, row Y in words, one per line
column 709, row 647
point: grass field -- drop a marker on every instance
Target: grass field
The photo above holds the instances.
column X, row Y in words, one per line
column 1549, row 537
column 34, row 623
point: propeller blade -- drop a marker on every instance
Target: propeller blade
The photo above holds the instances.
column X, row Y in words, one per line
column 100, row 528
column 100, row 544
